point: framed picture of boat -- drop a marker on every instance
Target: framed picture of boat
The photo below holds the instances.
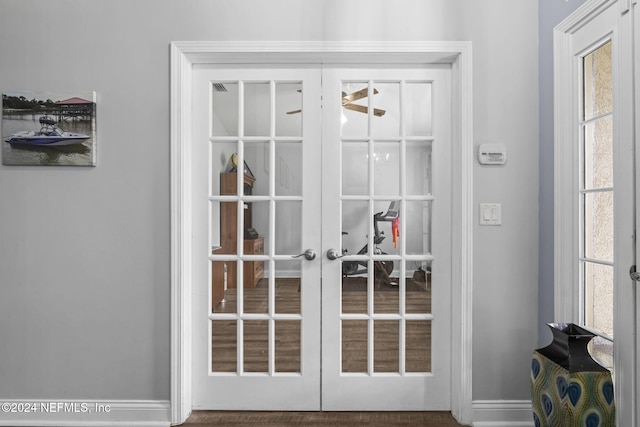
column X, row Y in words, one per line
column 48, row 128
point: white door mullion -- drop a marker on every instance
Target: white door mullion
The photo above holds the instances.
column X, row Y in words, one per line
column 403, row 310
column 240, row 343
column 240, row 130
column 272, row 109
column 403, row 109
column 403, row 208
column 240, row 230
column 370, row 347
column 370, row 94
column 271, row 147
column 271, row 347
column 369, row 219
column 402, row 346
column 272, row 226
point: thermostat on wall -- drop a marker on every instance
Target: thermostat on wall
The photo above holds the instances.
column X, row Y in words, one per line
column 492, row 154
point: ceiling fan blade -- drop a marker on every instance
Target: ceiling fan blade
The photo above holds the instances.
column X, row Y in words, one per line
column 362, row 109
column 362, row 93
column 356, row 107
column 295, row 111
column 347, row 103
column 378, row 113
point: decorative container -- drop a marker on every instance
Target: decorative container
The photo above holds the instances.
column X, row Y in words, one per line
column 568, row 387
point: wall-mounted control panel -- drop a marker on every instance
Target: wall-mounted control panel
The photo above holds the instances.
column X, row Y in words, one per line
column 492, row 154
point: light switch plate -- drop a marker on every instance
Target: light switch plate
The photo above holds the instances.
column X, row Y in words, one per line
column 490, row 214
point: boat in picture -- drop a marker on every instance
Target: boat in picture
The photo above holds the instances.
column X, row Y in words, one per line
column 48, row 135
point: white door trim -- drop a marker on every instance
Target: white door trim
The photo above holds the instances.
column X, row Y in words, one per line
column 566, row 294
column 184, row 55
column 566, row 298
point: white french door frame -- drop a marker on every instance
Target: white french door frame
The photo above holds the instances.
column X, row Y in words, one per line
column 566, row 74
column 184, row 55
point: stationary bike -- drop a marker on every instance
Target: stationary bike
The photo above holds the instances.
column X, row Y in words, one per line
column 382, row 269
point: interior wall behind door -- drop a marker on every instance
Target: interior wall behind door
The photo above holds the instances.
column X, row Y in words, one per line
column 130, row 73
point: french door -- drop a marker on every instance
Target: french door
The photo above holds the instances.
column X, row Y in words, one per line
column 386, row 332
column 321, row 257
column 595, row 193
column 256, row 303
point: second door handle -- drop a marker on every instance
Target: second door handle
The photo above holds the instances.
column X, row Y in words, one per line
column 333, row 254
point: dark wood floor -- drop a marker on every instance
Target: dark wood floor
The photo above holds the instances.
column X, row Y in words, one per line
column 320, row 419
column 354, row 343
column 354, row 300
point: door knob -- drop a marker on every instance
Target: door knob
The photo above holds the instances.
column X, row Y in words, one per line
column 333, row 254
column 309, row 255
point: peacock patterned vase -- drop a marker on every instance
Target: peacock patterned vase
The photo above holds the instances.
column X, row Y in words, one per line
column 569, row 388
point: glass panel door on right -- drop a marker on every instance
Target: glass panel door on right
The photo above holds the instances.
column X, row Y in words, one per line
column 597, row 206
column 386, row 233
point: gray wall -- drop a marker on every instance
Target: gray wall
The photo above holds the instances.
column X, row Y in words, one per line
column 84, row 253
column 505, row 258
column 550, row 14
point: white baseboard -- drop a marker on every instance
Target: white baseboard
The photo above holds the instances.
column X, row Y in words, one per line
column 85, row 413
column 502, row 413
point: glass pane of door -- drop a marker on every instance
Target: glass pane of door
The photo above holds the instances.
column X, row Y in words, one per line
column 256, row 227
column 378, row 211
column 597, row 200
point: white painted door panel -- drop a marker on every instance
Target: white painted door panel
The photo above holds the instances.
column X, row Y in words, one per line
column 386, row 341
column 256, row 345
column 390, row 349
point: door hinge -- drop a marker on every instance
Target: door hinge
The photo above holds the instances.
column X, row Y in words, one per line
column 635, row 276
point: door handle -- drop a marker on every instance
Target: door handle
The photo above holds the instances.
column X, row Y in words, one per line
column 333, row 254
column 309, row 255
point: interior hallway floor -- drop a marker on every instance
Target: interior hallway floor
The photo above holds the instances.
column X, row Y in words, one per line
column 320, row 419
